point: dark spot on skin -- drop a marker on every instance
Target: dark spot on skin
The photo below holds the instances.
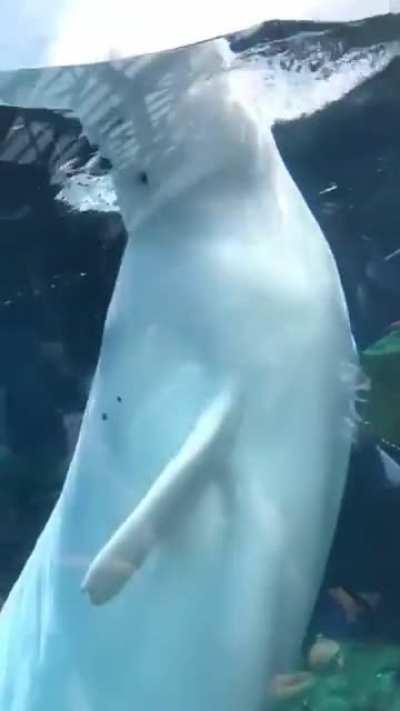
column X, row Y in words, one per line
column 143, row 177
column 119, row 398
column 104, row 416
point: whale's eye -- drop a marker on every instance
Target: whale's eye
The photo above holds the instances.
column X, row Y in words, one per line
column 143, row 177
column 105, row 164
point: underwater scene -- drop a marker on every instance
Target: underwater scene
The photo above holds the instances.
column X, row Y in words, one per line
column 200, row 376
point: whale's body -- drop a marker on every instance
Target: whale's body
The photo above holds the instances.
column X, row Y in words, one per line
column 227, row 293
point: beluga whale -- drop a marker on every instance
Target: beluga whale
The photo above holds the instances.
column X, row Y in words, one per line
column 182, row 560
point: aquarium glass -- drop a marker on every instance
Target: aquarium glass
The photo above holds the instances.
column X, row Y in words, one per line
column 200, row 366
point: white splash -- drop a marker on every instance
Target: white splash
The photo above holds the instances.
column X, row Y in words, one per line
column 299, row 85
column 299, row 80
column 85, row 193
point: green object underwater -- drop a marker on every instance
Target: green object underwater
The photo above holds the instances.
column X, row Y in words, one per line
column 367, row 680
column 381, row 364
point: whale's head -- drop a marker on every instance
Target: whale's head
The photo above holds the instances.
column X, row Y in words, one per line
column 171, row 121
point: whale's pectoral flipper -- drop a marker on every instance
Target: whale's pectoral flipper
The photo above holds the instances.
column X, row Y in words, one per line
column 201, row 457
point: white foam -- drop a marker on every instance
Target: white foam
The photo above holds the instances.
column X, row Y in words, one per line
column 87, row 193
column 301, row 85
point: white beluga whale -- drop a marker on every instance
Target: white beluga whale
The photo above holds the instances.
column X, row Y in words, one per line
column 181, row 563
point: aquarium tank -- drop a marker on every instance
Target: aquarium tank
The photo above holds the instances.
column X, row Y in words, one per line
column 199, row 356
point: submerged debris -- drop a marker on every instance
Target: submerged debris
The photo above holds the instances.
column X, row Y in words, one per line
column 367, row 679
column 287, row 687
column 325, row 653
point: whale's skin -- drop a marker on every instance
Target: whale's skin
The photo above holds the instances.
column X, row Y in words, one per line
column 226, row 278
